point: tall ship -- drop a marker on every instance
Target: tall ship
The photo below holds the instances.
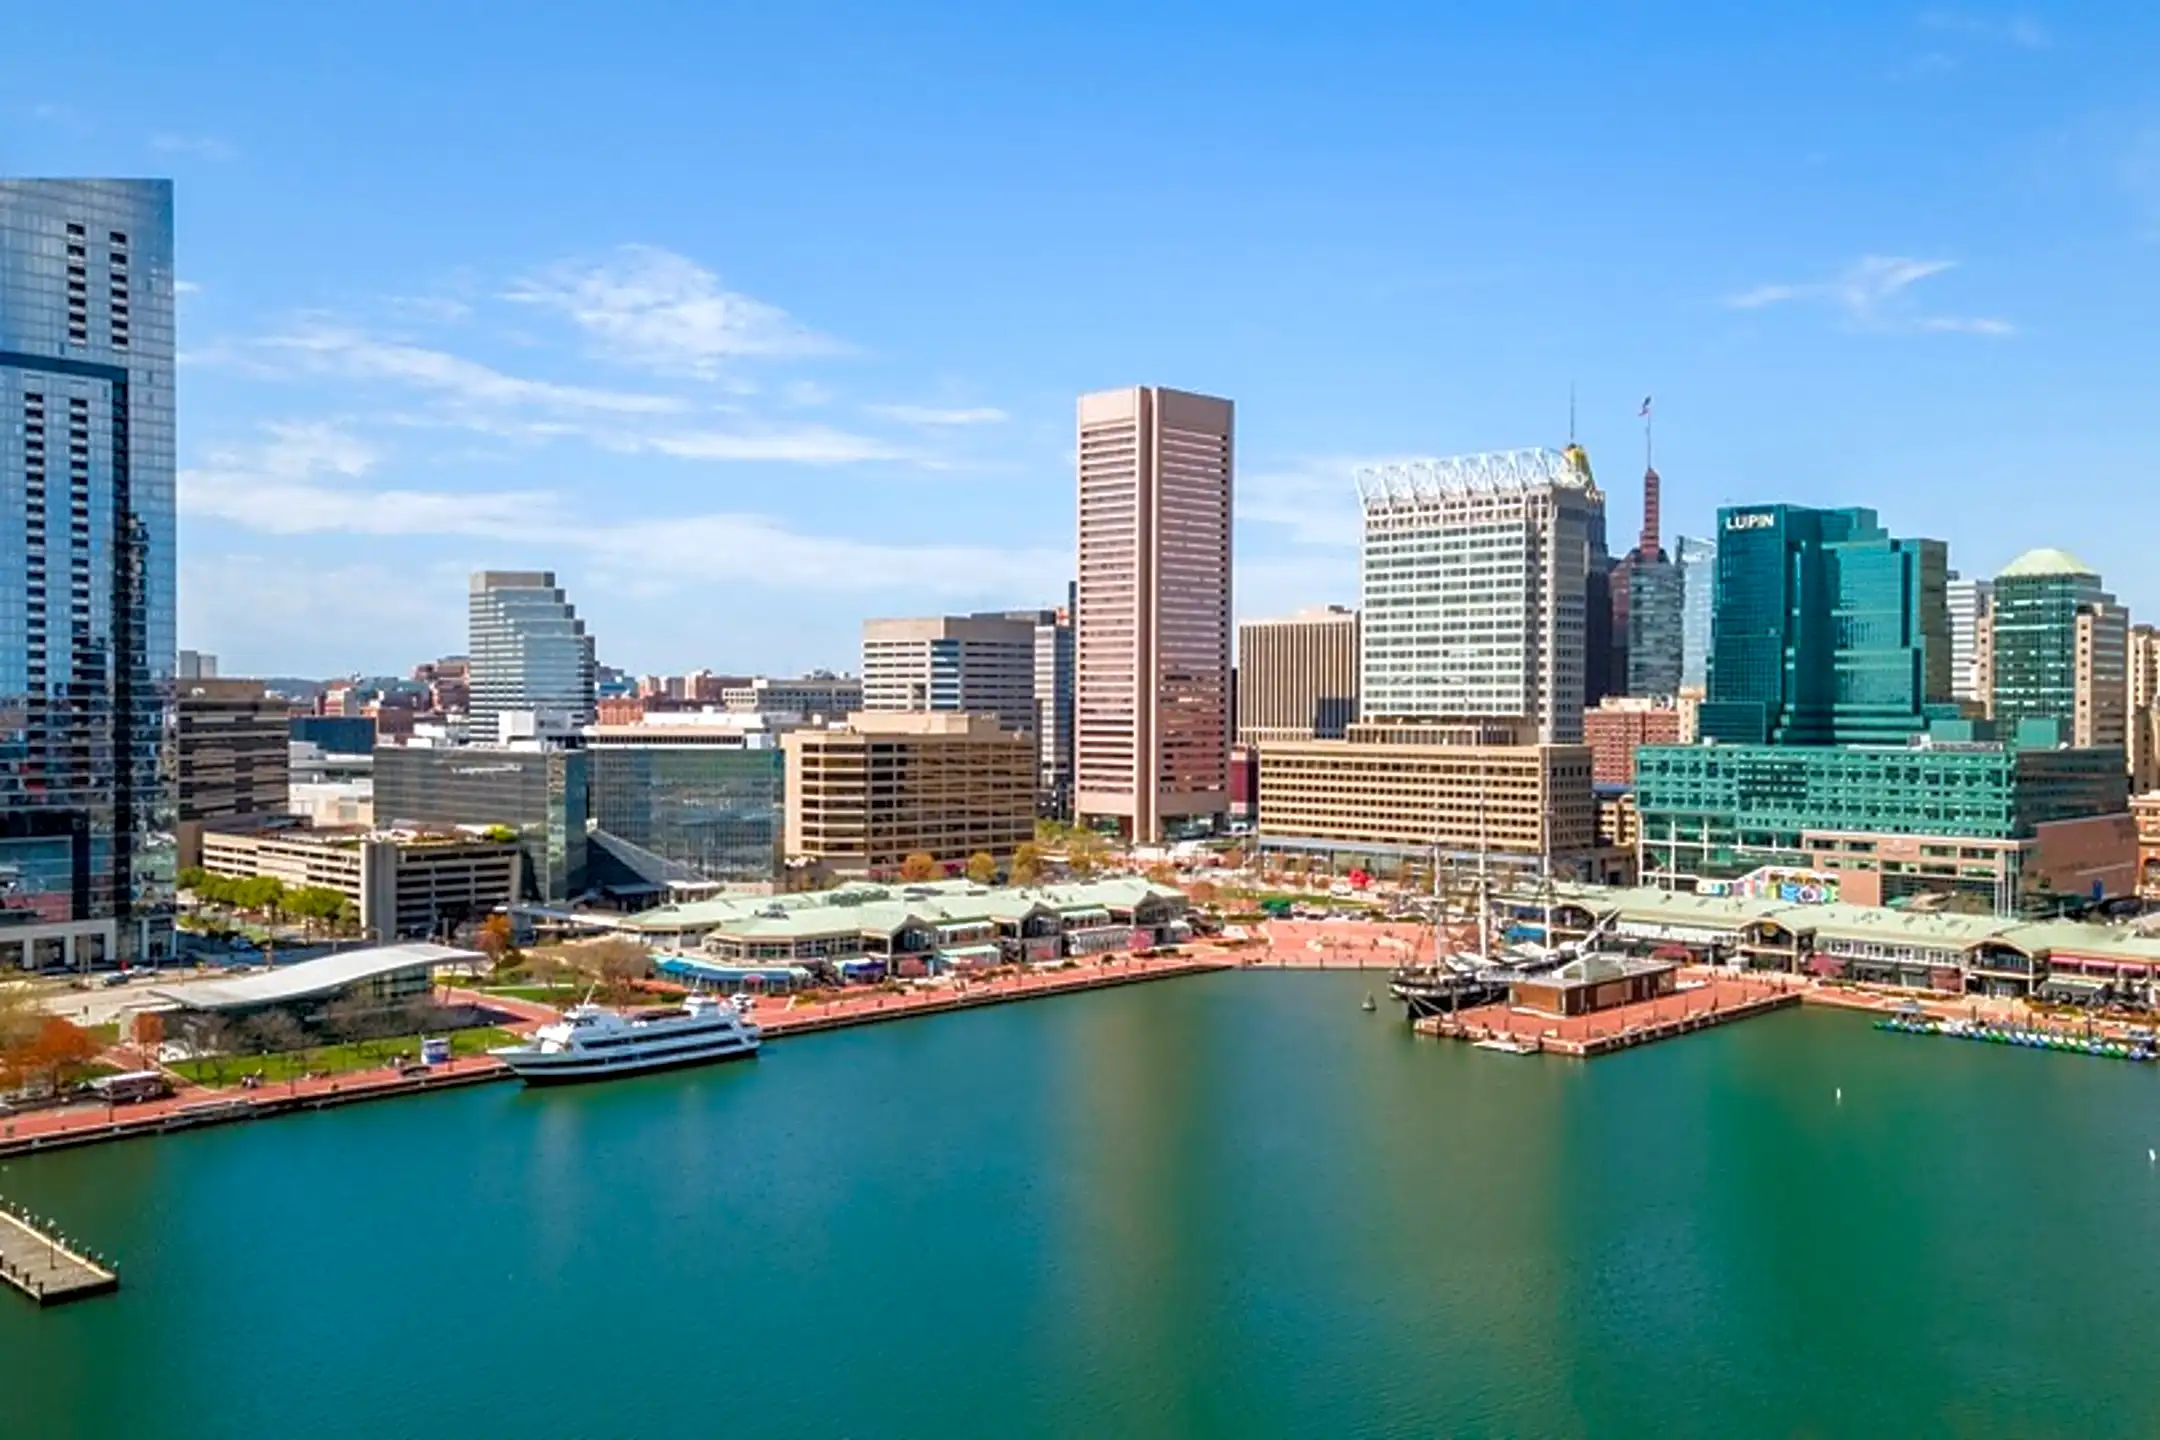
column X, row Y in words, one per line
column 1467, row 967
column 592, row 1042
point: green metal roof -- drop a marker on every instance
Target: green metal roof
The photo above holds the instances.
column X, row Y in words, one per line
column 1863, row 922
column 884, row 909
column 2046, row 561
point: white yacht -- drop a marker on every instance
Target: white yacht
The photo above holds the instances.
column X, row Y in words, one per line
column 592, row 1042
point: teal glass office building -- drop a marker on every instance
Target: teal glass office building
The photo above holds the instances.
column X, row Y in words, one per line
column 716, row 809
column 1826, row 630
column 86, row 569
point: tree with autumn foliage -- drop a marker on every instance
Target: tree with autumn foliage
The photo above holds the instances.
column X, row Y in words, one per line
column 919, row 867
column 48, row 1057
column 494, row 939
column 982, row 867
column 1027, row 866
column 147, row 1030
column 1085, row 852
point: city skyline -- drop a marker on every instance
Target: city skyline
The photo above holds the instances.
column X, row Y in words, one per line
column 737, row 420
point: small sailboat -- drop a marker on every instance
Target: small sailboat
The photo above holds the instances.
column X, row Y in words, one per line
column 1370, row 1004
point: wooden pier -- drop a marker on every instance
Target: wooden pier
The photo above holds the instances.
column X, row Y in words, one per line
column 44, row 1267
column 1624, row 1027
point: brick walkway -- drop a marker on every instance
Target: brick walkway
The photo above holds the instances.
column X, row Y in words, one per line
column 1712, row 1002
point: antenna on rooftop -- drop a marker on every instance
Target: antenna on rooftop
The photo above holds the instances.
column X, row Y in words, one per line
column 1571, row 412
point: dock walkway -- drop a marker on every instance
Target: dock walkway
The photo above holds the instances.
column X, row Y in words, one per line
column 46, row 1269
column 1699, row 1007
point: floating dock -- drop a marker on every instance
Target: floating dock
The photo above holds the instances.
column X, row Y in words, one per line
column 2027, row 1037
column 1504, row 1028
column 45, row 1268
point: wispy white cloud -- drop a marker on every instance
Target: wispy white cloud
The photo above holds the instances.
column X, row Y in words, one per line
column 1965, row 325
column 932, row 417
column 2019, row 30
column 341, row 350
column 652, row 308
column 202, row 146
column 767, row 552
column 308, row 478
column 1313, row 502
column 438, row 309
column 186, row 287
column 270, row 610
column 1871, row 295
column 808, row 445
column 317, row 478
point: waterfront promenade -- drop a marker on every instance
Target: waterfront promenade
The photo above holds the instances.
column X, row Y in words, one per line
column 194, row 1106
column 783, row 1018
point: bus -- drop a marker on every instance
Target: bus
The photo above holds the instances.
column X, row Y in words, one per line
column 132, row 1086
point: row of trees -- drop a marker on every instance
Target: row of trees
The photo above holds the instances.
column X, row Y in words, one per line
column 981, row 867
column 1084, row 854
column 312, row 905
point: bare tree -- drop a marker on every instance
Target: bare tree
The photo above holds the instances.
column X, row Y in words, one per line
column 274, row 1032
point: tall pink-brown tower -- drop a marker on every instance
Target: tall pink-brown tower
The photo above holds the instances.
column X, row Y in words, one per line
column 1151, row 638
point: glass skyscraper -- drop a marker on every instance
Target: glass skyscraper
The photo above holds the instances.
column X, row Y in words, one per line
column 715, row 808
column 528, row 651
column 86, row 569
column 543, row 794
column 2060, row 651
column 1655, row 639
column 1698, row 590
column 1827, row 630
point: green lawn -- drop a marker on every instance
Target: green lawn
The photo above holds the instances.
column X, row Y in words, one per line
column 330, row 1059
column 544, row 994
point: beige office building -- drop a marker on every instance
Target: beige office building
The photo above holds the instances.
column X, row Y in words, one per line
column 819, row 693
column 2143, row 719
column 1152, row 642
column 400, row 883
column 863, row 797
column 1297, row 678
column 977, row 664
column 1390, row 793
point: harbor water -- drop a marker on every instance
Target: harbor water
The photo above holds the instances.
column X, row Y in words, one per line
column 1233, row 1205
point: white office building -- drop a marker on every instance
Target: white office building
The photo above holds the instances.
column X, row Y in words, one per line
column 1969, row 602
column 1475, row 572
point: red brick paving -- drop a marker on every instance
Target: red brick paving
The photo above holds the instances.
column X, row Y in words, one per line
column 1711, row 1002
column 197, row 1104
column 781, row 1017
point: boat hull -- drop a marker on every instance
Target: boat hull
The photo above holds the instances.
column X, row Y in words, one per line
column 585, row 1069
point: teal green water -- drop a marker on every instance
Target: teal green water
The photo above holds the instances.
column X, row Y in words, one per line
column 1225, row 1206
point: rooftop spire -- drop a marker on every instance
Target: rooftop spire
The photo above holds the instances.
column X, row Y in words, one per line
column 1650, row 544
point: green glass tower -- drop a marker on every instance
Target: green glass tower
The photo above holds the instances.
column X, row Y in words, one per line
column 1825, row 629
column 2061, row 646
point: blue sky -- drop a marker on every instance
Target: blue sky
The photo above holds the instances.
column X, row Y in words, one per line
column 754, row 320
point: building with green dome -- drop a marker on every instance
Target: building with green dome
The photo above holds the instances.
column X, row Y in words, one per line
column 2060, row 648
